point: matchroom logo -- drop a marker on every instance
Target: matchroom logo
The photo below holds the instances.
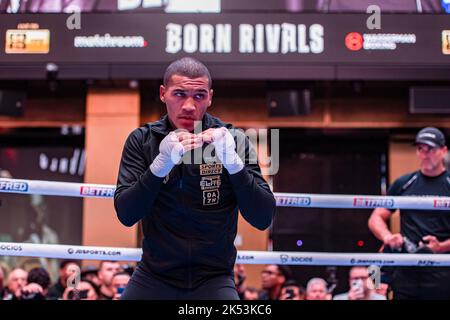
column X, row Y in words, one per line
column 109, row 41
column 446, row 41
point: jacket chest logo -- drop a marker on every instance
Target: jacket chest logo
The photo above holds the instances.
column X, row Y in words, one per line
column 208, row 183
column 210, row 186
column 211, row 197
column 212, row 168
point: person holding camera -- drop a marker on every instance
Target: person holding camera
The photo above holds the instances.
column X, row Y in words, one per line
column 66, row 269
column 291, row 290
column 360, row 288
column 421, row 231
column 38, row 283
column 24, row 285
column 85, row 290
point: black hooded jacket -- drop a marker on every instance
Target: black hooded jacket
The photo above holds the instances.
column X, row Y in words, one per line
column 189, row 218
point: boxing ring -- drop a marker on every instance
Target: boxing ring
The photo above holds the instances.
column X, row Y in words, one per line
column 52, row 188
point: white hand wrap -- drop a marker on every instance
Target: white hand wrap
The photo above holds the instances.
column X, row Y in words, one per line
column 225, row 146
column 170, row 153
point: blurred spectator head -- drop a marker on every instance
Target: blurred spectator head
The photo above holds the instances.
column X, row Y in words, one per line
column 316, row 289
column 107, row 270
column 84, row 291
column 291, row 290
column 250, row 293
column 119, row 282
column 17, row 279
column 90, row 273
column 359, row 275
column 65, row 270
column 41, row 277
column 273, row 277
column 239, row 279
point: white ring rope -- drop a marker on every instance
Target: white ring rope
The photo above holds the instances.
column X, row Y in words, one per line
column 283, row 199
column 244, row 257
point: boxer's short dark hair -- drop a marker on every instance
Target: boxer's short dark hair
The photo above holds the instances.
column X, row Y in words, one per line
column 187, row 67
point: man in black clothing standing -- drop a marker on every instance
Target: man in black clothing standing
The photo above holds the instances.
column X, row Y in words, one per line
column 421, row 230
column 189, row 206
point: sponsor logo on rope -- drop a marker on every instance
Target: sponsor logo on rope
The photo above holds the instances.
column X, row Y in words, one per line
column 7, row 247
column 373, row 203
column 441, row 203
column 372, row 261
column 301, row 259
column 13, row 186
column 428, row 263
column 293, row 201
column 244, row 257
column 284, row 258
column 94, row 252
column 97, row 191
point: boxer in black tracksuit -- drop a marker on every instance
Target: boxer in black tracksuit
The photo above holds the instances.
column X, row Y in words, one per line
column 189, row 216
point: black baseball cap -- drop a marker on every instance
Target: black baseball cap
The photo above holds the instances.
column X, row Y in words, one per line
column 431, row 136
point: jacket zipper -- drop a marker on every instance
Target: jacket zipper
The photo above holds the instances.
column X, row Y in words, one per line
column 180, row 185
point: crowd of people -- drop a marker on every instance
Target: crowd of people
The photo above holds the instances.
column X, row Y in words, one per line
column 106, row 282
column 277, row 283
column 109, row 279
